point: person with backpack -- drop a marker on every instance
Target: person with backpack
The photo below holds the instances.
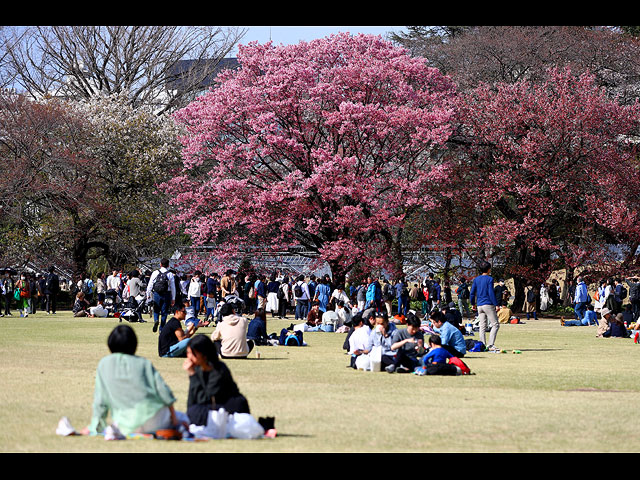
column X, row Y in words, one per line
column 634, row 296
column 620, row 292
column 463, row 298
column 302, row 298
column 51, row 291
column 530, row 301
column 284, row 296
column 162, row 292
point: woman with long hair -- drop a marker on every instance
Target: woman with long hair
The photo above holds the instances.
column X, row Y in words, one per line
column 211, row 385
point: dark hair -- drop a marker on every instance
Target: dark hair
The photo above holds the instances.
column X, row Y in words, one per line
column 413, row 320
column 261, row 314
column 382, row 315
column 435, row 340
column 226, row 310
column 435, row 316
column 203, row 344
column 122, row 339
column 484, row 266
column 164, row 262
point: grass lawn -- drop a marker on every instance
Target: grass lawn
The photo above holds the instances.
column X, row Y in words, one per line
column 568, row 391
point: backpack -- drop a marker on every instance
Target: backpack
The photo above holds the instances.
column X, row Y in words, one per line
column 87, row 287
column 531, row 296
column 161, row 285
column 297, row 290
column 623, row 292
column 52, row 283
column 464, row 292
column 281, row 291
column 290, row 338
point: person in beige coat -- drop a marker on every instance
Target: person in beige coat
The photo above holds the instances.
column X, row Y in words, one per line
column 529, row 307
column 230, row 335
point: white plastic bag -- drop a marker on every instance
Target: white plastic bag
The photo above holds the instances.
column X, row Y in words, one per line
column 216, row 427
column 244, row 426
column 363, row 362
column 375, row 358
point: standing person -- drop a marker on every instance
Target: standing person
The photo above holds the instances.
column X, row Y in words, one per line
column 33, row 299
column 634, row 297
column 483, row 300
column 161, row 291
column 213, row 285
column 322, row 295
column 499, row 291
column 42, row 280
column 261, row 292
column 446, row 293
column 273, row 302
column 301, row 296
column 227, row 284
column 361, row 296
column 9, row 286
column 402, row 295
column 463, row 297
column 619, row 293
column 284, row 297
column 195, row 293
column 581, row 299
column 372, row 294
column 134, row 287
column 101, row 287
column 24, row 288
column 530, row 302
column 388, row 295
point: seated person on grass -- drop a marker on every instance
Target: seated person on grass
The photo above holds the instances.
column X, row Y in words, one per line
column 408, row 345
column 211, row 385
column 230, row 335
column 360, row 340
column 590, row 318
column 131, row 390
column 452, row 338
column 382, row 337
column 173, row 340
column 436, row 360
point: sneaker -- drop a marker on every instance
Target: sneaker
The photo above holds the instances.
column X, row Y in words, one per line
column 155, row 327
column 390, row 368
column 493, row 349
column 402, row 369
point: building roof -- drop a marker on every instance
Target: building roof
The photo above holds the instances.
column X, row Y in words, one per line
column 179, row 71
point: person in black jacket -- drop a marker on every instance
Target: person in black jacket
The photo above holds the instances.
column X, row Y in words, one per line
column 211, row 385
column 51, row 290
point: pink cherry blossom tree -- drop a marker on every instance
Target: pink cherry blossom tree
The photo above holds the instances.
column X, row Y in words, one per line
column 329, row 144
column 554, row 169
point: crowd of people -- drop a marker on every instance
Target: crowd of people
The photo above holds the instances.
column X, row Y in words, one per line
column 434, row 317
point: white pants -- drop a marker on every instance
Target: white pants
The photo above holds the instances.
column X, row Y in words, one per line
column 487, row 314
column 161, row 420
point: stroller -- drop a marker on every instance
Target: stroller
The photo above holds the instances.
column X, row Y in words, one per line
column 132, row 310
column 233, row 299
column 112, row 301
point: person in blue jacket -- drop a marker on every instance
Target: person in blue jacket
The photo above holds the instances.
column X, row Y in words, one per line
column 451, row 336
column 483, row 300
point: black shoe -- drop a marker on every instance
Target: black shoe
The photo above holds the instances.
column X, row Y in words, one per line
column 155, row 327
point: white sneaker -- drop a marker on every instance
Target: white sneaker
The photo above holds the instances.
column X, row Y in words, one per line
column 64, row 428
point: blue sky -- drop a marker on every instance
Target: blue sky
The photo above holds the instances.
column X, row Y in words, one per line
column 288, row 35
